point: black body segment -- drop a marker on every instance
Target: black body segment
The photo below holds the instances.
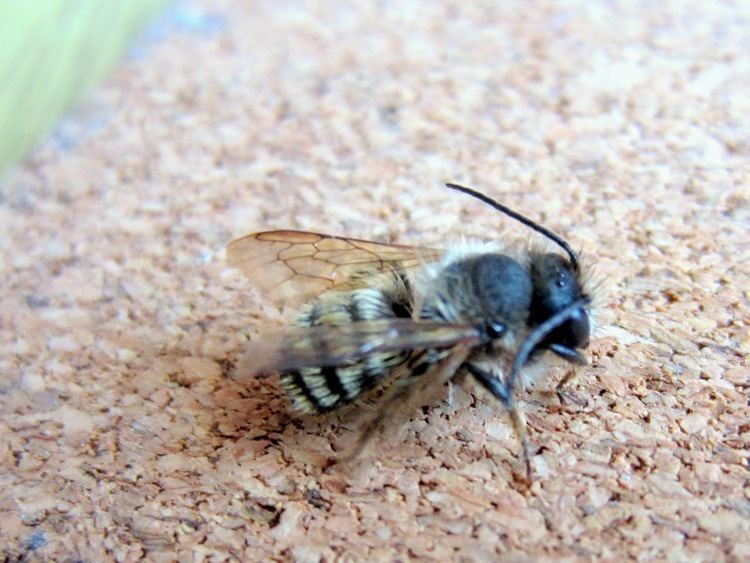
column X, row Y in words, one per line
column 502, row 287
column 556, row 286
column 488, row 291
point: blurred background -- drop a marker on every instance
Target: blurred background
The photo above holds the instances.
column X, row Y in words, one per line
column 137, row 138
column 53, row 52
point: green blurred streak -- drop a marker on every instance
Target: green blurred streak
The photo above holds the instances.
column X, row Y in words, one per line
column 52, row 52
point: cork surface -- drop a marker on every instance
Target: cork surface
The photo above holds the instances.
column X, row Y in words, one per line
column 622, row 125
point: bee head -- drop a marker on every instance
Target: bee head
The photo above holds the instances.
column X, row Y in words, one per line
column 557, row 315
column 557, row 285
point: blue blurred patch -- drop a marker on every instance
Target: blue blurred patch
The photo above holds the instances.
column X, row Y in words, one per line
column 36, row 540
column 196, row 21
column 178, row 17
column 79, row 124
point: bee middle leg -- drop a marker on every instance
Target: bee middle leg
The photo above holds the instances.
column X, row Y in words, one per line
column 405, row 392
column 505, row 393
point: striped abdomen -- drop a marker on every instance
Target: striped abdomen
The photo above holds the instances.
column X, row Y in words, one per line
column 320, row 389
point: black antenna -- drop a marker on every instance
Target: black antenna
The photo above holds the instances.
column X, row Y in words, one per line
column 518, row 217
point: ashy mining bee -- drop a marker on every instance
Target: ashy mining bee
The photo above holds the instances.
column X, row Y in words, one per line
column 378, row 310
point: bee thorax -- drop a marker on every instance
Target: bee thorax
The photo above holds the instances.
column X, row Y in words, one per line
column 488, row 290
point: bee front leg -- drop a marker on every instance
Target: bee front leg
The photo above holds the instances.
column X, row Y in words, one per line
column 564, row 395
column 576, row 359
column 505, row 393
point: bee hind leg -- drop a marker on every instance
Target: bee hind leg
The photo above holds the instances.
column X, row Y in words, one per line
column 404, row 393
column 504, row 393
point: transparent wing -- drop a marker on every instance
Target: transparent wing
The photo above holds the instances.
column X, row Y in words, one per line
column 292, row 265
column 322, row 346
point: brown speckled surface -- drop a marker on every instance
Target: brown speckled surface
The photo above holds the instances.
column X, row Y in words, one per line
column 623, row 125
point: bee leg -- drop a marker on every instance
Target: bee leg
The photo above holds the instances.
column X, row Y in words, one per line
column 456, row 382
column 565, row 396
column 405, row 391
column 506, row 396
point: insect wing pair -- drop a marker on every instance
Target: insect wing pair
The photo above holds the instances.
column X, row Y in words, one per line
column 291, row 266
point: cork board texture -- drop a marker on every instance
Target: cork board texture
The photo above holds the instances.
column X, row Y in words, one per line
column 622, row 125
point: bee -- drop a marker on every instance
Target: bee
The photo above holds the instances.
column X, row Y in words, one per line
column 375, row 310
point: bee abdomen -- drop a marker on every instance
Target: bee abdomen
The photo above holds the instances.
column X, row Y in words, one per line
column 321, row 389
column 316, row 389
